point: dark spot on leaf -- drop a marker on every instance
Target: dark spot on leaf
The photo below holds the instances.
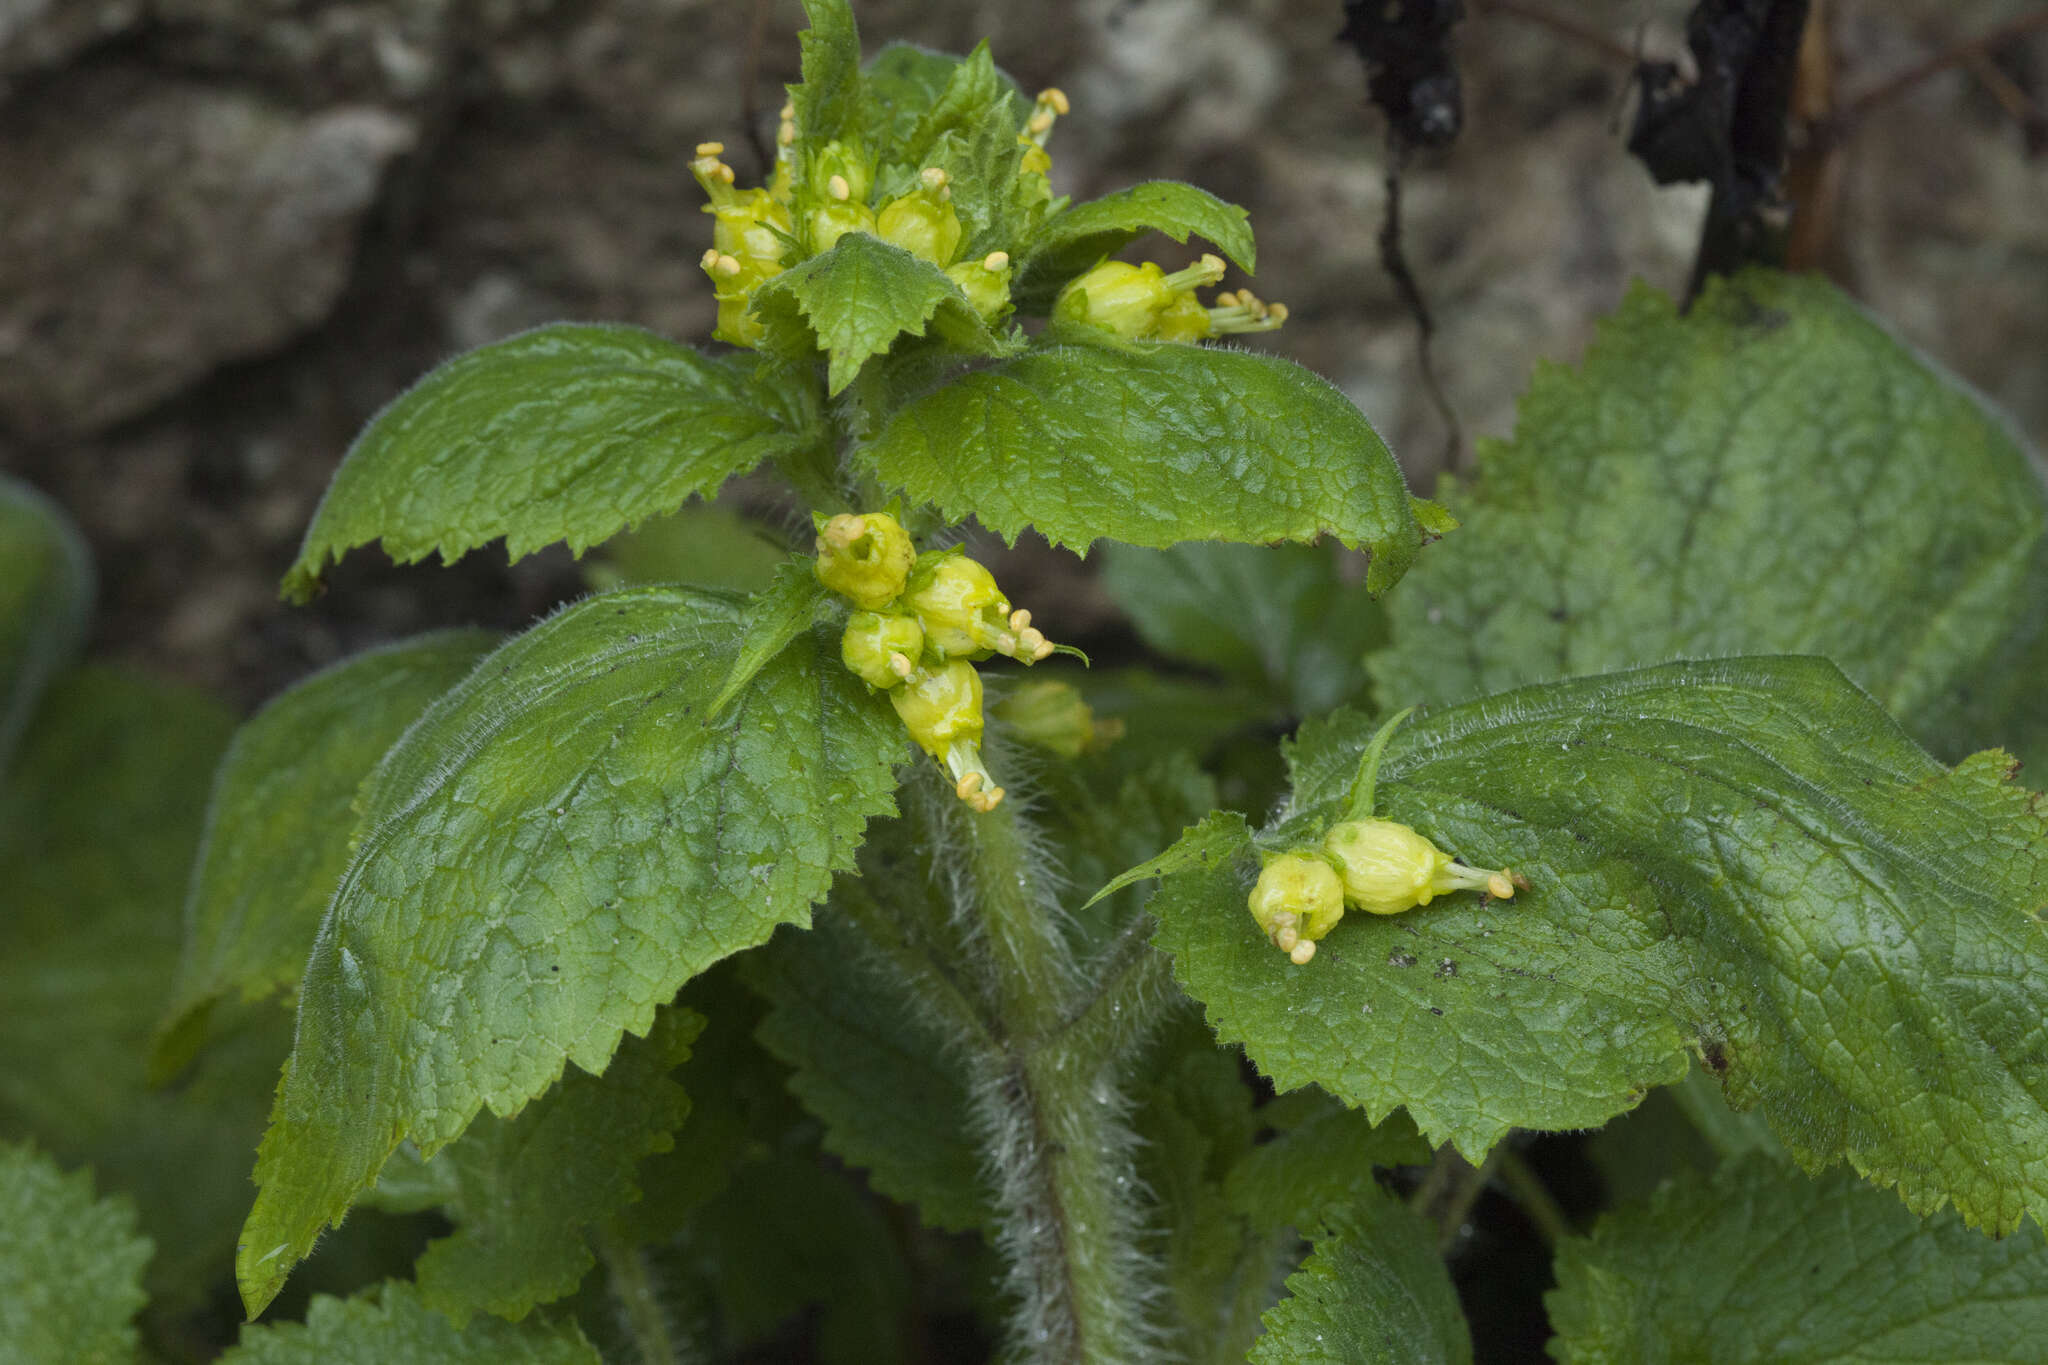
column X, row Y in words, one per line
column 1434, row 1010
column 1400, row 959
column 1446, row 968
column 1715, row 1056
column 1559, row 614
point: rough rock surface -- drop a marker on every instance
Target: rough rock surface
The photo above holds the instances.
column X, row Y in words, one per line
column 231, row 229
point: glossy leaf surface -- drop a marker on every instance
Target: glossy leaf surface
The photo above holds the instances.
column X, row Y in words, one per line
column 1745, row 860
column 556, row 847
column 571, row 432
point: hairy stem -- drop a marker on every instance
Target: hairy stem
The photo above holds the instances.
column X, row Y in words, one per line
column 640, row 1310
column 1062, row 1151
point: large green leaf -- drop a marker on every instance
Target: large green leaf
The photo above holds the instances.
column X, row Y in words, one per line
column 1279, row 618
column 872, row 1063
column 1758, row 1263
column 98, row 828
column 1744, row 859
column 1153, row 444
column 282, row 822
column 571, row 432
column 553, row 849
column 391, row 1326
column 1076, row 238
column 828, row 101
column 524, row 1191
column 1374, row 1293
column 854, row 301
column 45, row 597
column 70, row 1265
column 1770, row 473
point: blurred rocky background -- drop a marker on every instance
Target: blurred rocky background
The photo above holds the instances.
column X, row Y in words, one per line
column 231, row 229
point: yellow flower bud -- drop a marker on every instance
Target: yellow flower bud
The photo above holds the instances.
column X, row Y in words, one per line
column 923, row 224
column 865, row 559
column 1051, row 715
column 1388, row 867
column 985, row 282
column 881, row 650
column 941, row 708
column 834, row 219
column 965, row 614
column 1132, row 300
column 1299, row 899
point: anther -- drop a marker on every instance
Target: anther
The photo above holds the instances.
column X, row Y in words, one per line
column 1499, row 887
column 934, row 177
column 1055, row 99
column 785, row 135
column 996, row 262
column 1041, row 122
column 711, row 149
column 967, row 786
column 1019, row 619
column 899, row 664
column 728, row 266
column 838, row 188
column 1286, row 938
column 1300, row 954
column 710, row 258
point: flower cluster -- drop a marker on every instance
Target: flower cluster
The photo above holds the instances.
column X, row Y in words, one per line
column 921, row 622
column 1376, row 866
column 1144, row 303
column 758, row 233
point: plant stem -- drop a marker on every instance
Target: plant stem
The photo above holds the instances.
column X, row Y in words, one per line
column 1534, row 1198
column 625, row 1271
column 1061, row 1149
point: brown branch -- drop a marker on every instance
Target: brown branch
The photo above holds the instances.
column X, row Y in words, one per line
column 1896, row 84
column 1597, row 40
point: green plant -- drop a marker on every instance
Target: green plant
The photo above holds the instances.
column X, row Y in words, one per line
column 523, row 896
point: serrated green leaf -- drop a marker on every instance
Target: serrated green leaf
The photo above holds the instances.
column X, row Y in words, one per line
column 776, row 615
column 971, row 131
column 571, row 432
column 1771, row 473
column 901, row 83
column 1760, row 1263
column 392, row 1326
column 1219, row 839
column 1321, row 1161
column 98, row 828
column 854, row 301
column 281, row 823
column 1374, row 1291
column 523, row 1191
column 1278, row 618
column 1074, row 239
column 46, row 585
column 554, row 848
column 70, row 1265
column 1152, row 444
column 874, row 1066
column 1746, row 859
column 828, row 101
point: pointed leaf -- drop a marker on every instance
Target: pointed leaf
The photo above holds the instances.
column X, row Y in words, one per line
column 1076, row 238
column 828, row 102
column 46, row 584
column 1152, row 444
column 571, row 432
column 522, row 1191
column 554, row 848
column 1375, row 1291
column 70, row 1265
column 902, row 83
column 854, row 301
column 1745, row 859
column 1222, row 837
column 1759, row 1263
column 1770, row 473
column 391, row 1326
column 776, row 615
column 971, row 130
column 281, row 824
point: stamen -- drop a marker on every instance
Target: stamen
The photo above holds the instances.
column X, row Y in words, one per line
column 710, row 259
column 967, row 786
column 785, row 135
column 1019, row 619
column 1055, row 99
column 934, row 177
column 1499, row 887
column 1302, row 952
column 1286, row 938
column 899, row 664
column 728, row 266
column 838, row 188
column 996, row 262
column 711, row 149
column 1041, row 122
column 1031, row 641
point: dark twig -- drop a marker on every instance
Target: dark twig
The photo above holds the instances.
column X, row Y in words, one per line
column 1896, row 84
column 1395, row 262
